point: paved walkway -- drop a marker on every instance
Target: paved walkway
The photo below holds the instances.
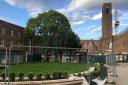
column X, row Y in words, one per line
column 122, row 72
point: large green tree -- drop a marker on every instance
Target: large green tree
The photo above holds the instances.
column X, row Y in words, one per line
column 51, row 29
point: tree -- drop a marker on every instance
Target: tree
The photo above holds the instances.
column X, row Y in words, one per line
column 51, row 29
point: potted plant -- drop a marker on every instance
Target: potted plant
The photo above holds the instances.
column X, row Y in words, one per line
column 47, row 76
column 38, row 77
column 30, row 76
column 21, row 76
column 12, row 76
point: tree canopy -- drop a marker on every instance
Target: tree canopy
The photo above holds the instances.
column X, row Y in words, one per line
column 51, row 29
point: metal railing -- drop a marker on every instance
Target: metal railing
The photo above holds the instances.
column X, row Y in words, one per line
column 8, row 62
column 39, row 47
column 5, row 61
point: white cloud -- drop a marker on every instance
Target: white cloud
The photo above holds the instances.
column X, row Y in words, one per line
column 10, row 2
column 62, row 10
column 91, row 4
column 75, row 17
column 84, row 4
column 97, row 16
column 32, row 6
column 96, row 30
column 78, row 18
column 124, row 24
column 123, row 15
column 77, row 23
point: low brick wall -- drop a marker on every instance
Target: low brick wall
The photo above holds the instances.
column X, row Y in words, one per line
column 48, row 82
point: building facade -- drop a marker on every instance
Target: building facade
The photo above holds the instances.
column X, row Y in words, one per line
column 11, row 34
column 91, row 45
column 121, row 42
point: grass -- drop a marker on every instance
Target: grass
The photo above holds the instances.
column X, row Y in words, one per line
column 47, row 68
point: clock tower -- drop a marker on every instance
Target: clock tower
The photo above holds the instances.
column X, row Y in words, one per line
column 107, row 20
column 106, row 40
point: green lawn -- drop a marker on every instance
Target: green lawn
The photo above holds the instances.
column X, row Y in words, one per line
column 47, row 68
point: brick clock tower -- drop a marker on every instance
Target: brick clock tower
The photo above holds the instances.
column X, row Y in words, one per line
column 106, row 40
column 107, row 20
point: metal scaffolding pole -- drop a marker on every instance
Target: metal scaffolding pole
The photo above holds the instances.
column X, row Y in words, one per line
column 6, row 55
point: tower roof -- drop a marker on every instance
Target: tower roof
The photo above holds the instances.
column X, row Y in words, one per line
column 107, row 4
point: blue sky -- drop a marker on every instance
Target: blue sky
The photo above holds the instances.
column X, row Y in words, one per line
column 84, row 15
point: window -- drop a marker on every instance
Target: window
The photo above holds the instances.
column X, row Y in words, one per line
column 11, row 32
column 18, row 43
column 3, row 31
column 85, row 46
column 117, row 46
column 124, row 44
column 107, row 11
column 19, row 34
column 96, row 47
column 11, row 43
column 2, row 43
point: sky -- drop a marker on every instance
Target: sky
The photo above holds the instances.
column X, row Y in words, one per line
column 83, row 15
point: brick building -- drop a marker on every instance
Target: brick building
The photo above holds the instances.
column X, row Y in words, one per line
column 91, row 45
column 108, row 42
column 11, row 34
column 121, row 42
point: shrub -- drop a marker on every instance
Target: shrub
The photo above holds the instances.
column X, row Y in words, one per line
column 79, row 74
column 96, row 72
column 65, row 75
column 47, row 76
column 55, row 75
column 60, row 75
column 94, row 75
column 38, row 77
column 21, row 76
column 30, row 76
column 3, row 76
column 75, row 74
column 12, row 76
